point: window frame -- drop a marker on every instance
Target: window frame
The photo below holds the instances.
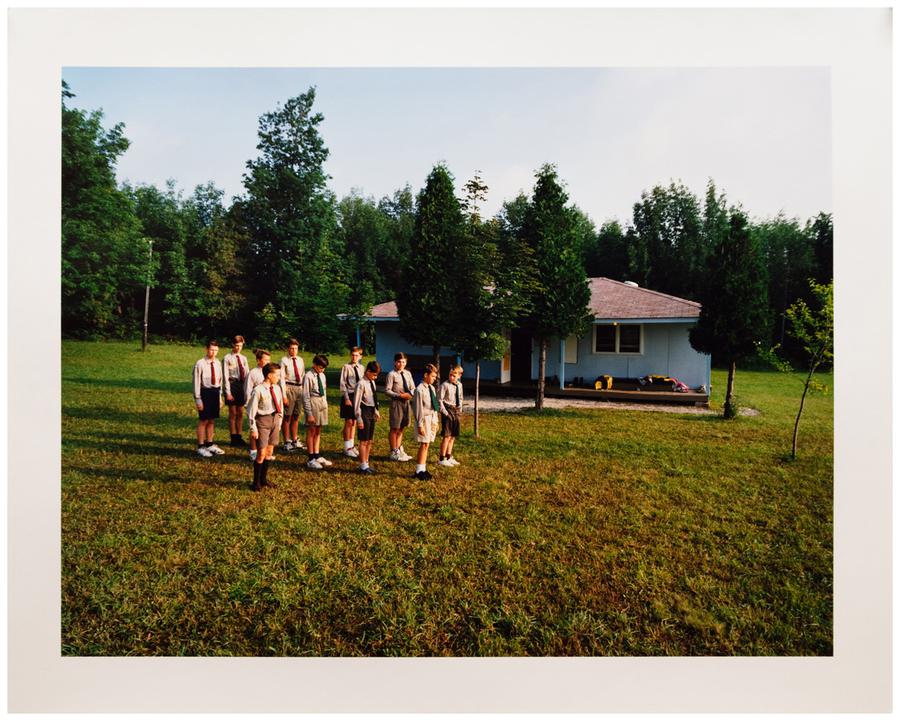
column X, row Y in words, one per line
column 617, row 352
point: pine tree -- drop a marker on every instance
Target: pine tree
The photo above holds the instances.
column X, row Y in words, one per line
column 424, row 301
column 559, row 308
column 733, row 320
column 290, row 217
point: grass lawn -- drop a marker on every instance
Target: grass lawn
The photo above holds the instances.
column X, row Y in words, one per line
column 576, row 532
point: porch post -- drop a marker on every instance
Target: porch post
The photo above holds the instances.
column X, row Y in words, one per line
column 562, row 364
column 358, row 344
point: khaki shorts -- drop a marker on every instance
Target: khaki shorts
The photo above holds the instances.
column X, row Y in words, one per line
column 430, row 424
column 399, row 416
column 267, row 427
column 293, row 400
column 319, row 407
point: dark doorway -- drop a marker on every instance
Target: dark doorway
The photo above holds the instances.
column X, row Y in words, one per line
column 520, row 356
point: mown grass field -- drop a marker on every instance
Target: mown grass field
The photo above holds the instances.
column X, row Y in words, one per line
column 579, row 532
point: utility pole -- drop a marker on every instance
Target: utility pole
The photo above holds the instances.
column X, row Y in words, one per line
column 147, row 294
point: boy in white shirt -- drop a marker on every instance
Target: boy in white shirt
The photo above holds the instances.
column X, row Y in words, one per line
column 291, row 386
column 235, row 370
column 350, row 376
column 451, row 408
column 264, row 416
column 208, row 398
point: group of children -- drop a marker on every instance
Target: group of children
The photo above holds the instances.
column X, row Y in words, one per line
column 273, row 395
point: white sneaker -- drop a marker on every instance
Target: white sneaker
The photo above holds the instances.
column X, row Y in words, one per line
column 253, row 455
column 404, row 456
column 324, row 462
column 216, row 450
column 313, row 463
column 446, row 463
column 202, row 451
column 453, row 461
column 351, row 453
column 299, row 445
column 395, row 454
column 288, row 446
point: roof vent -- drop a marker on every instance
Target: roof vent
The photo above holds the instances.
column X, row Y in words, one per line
column 632, row 284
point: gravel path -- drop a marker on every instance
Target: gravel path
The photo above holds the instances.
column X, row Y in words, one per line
column 493, row 404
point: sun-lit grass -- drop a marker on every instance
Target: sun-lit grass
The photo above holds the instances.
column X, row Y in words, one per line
column 599, row 532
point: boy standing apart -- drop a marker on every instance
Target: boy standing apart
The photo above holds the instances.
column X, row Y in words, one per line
column 235, row 372
column 350, row 375
column 208, row 397
column 399, row 388
column 451, row 408
column 365, row 406
column 316, row 406
column 291, row 386
column 426, row 409
column 255, row 378
column 264, row 416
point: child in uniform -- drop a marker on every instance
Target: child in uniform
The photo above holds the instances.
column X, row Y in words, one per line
column 291, row 384
column 426, row 409
column 235, row 370
column 365, row 406
column 316, row 406
column 254, row 378
column 350, row 375
column 399, row 388
column 264, row 416
column 208, row 397
column 451, row 408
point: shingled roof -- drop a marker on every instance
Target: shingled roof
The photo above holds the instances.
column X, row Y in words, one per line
column 610, row 300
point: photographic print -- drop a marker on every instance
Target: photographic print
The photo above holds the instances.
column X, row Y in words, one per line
column 468, row 362
column 459, row 360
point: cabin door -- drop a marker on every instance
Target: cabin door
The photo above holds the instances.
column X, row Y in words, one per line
column 520, row 356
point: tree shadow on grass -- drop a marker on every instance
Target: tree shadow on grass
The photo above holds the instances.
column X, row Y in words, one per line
column 148, row 384
column 157, row 419
column 154, row 475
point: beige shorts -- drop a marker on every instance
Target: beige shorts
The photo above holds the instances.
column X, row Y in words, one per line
column 319, row 406
column 430, row 424
column 399, row 416
column 293, row 400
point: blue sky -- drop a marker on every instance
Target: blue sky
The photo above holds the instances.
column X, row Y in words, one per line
column 763, row 134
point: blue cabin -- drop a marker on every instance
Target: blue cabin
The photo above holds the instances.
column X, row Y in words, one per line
column 636, row 332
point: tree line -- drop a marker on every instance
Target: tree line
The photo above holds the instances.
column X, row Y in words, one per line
column 287, row 257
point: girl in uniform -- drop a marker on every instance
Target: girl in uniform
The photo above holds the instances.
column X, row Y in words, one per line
column 399, row 388
column 350, row 375
column 208, row 398
column 235, row 371
column 265, row 414
column 365, row 406
column 316, row 406
column 451, row 408
column 426, row 409
column 254, row 378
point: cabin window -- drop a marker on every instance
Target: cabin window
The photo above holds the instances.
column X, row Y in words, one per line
column 604, row 339
column 618, row 339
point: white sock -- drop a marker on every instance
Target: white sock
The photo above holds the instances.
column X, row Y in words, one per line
column 420, row 467
column 363, row 466
column 348, row 445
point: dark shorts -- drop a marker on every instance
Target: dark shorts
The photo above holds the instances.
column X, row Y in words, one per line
column 450, row 424
column 347, row 411
column 237, row 392
column 399, row 416
column 367, row 432
column 211, row 398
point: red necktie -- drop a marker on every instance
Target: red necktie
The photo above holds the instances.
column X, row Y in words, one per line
column 241, row 367
column 274, row 401
column 296, row 372
column 212, row 369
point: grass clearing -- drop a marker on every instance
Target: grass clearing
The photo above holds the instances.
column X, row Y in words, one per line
column 579, row 532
